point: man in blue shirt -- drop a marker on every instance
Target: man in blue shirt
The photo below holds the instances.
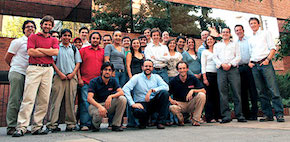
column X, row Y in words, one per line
column 106, row 97
column 150, row 95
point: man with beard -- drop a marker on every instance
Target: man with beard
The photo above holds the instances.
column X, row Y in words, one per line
column 92, row 60
column 40, row 48
column 143, row 42
column 180, row 42
column 106, row 98
column 149, row 95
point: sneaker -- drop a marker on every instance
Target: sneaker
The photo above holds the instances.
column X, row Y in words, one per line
column 225, row 121
column 266, row 118
column 10, row 130
column 18, row 133
column 280, row 118
column 85, row 128
column 41, row 132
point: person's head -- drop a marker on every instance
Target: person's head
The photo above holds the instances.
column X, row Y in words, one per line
column 107, row 39
column 204, row 35
column 226, row 33
column 28, row 27
column 107, row 69
column 210, row 41
column 84, row 32
column 55, row 34
column 171, row 45
column 135, row 46
column 165, row 36
column 65, row 36
column 147, row 33
column 117, row 37
column 180, row 42
column 78, row 42
column 191, row 44
column 182, row 68
column 254, row 24
column 95, row 39
column 147, row 67
column 143, row 40
column 155, row 34
column 126, row 41
column 46, row 24
column 239, row 30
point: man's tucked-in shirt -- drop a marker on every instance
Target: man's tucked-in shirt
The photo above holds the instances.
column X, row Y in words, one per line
column 158, row 52
column 244, row 49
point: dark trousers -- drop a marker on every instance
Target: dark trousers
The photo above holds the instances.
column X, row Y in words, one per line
column 248, row 89
column 158, row 104
column 212, row 105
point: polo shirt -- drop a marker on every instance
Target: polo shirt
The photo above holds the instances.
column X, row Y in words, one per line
column 39, row 41
column 92, row 60
column 180, row 89
column 101, row 90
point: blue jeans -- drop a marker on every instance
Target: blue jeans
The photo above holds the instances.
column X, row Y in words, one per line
column 163, row 73
column 121, row 78
column 267, row 88
column 85, row 118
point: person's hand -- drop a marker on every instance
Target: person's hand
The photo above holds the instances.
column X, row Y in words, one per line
column 165, row 54
column 173, row 102
column 189, row 95
column 108, row 102
column 251, row 65
column 226, row 67
column 81, row 82
column 197, row 76
column 70, row 76
column 266, row 62
column 138, row 106
column 62, row 76
column 205, row 81
column 147, row 97
column 102, row 111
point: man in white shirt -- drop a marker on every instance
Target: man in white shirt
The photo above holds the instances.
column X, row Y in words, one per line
column 262, row 49
column 226, row 55
column 84, row 33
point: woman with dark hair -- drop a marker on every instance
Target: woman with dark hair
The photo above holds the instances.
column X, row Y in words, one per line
column 174, row 58
column 209, row 72
column 190, row 57
column 134, row 58
column 115, row 54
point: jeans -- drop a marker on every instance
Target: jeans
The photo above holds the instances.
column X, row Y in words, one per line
column 121, row 78
column 267, row 88
column 163, row 73
column 85, row 118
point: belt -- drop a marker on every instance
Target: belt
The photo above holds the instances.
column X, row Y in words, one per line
column 41, row 65
column 259, row 62
column 119, row 70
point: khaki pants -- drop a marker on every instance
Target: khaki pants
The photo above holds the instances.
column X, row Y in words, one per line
column 61, row 89
column 194, row 106
column 38, row 80
column 118, row 105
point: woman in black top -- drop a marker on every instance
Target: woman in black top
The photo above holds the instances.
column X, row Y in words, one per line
column 134, row 59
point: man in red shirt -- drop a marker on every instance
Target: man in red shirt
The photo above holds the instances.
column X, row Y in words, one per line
column 93, row 58
column 40, row 48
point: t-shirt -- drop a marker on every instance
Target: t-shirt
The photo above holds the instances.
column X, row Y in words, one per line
column 116, row 58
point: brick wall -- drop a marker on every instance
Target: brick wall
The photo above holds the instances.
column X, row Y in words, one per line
column 274, row 8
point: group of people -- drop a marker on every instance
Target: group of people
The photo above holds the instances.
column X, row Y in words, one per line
column 153, row 79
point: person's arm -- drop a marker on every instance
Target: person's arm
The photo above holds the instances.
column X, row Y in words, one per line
column 215, row 56
column 110, row 97
column 128, row 64
column 162, row 85
column 102, row 110
column 164, row 57
column 192, row 91
column 59, row 73
column 107, row 53
column 75, row 71
column 128, row 87
column 269, row 57
column 34, row 52
column 49, row 52
column 8, row 57
column 237, row 59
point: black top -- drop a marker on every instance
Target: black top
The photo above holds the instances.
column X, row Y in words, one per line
column 180, row 89
column 101, row 90
column 136, row 65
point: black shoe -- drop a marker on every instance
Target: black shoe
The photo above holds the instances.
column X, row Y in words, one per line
column 266, row 118
column 280, row 118
column 142, row 126
column 53, row 130
column 253, row 118
column 41, row 132
column 71, row 129
column 94, row 129
column 160, row 126
column 10, row 130
column 225, row 121
column 242, row 120
column 18, row 133
column 117, row 128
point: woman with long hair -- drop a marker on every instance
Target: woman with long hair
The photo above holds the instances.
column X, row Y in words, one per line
column 134, row 59
column 174, row 58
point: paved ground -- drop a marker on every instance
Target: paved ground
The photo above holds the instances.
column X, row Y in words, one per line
column 252, row 131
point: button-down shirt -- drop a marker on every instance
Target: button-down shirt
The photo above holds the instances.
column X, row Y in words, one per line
column 159, row 60
column 207, row 63
column 140, row 85
column 244, row 49
column 261, row 44
column 226, row 54
column 66, row 59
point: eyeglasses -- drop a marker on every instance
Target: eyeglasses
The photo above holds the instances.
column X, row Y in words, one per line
column 29, row 27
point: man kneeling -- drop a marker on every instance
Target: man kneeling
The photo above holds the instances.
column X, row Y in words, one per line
column 106, row 97
column 188, row 95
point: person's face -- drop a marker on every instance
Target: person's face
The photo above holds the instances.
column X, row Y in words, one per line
column 147, row 33
column 190, row 43
column 180, row 43
column 226, row 34
column 204, row 35
column 78, row 43
column 143, row 42
column 55, row 35
column 126, row 42
column 84, row 34
column 107, row 72
column 65, row 38
column 254, row 25
column 117, row 37
column 156, row 36
column 172, row 45
column 107, row 40
column 165, row 36
column 239, row 31
column 210, row 41
column 136, row 45
column 182, row 69
column 147, row 67
column 29, row 29
column 46, row 27
column 95, row 40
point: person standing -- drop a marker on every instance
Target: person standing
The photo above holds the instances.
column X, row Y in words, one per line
column 107, row 39
column 134, row 59
column 17, row 58
column 84, row 33
column 174, row 58
column 143, row 43
column 40, row 48
column 204, row 34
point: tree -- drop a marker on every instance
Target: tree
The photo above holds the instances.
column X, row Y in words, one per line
column 284, row 41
